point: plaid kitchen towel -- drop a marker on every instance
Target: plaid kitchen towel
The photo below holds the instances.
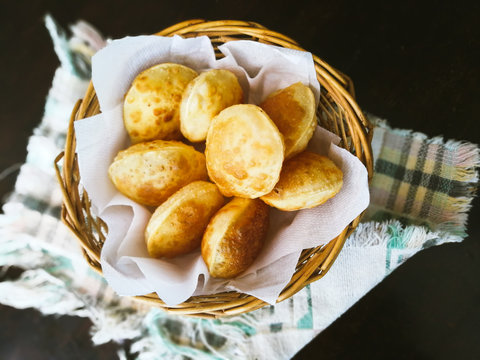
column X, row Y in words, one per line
column 420, row 196
column 421, row 180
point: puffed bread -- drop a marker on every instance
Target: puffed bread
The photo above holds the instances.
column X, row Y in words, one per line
column 150, row 172
column 205, row 96
column 235, row 236
column 176, row 227
column 292, row 109
column 151, row 105
column 307, row 180
column 244, row 151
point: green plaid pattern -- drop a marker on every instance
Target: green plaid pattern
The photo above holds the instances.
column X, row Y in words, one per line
column 423, row 181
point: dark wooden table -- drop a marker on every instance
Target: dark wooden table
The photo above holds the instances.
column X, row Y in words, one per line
column 413, row 63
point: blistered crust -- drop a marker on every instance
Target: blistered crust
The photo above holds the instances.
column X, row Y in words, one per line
column 151, row 105
column 244, row 151
column 234, row 237
column 150, row 172
column 307, row 180
column 176, row 227
column 292, row 109
column 205, row 96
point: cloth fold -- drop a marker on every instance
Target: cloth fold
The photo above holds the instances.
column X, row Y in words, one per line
column 420, row 196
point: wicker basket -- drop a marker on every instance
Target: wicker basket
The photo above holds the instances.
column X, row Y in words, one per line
column 337, row 111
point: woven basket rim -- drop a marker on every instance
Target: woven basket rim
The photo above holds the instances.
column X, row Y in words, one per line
column 353, row 128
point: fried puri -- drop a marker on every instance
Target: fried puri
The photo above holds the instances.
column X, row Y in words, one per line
column 151, row 105
column 244, row 151
column 292, row 109
column 150, row 172
column 205, row 96
column 176, row 227
column 307, row 180
column 235, row 236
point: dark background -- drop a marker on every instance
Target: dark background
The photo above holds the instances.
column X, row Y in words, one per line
column 413, row 63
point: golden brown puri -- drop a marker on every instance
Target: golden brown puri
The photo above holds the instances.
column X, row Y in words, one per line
column 234, row 237
column 205, row 96
column 176, row 227
column 244, row 151
column 151, row 105
column 292, row 109
column 150, row 172
column 307, row 180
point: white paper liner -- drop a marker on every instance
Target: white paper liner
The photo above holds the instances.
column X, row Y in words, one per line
column 261, row 69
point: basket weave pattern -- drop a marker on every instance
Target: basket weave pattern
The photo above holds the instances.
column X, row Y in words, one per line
column 337, row 112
